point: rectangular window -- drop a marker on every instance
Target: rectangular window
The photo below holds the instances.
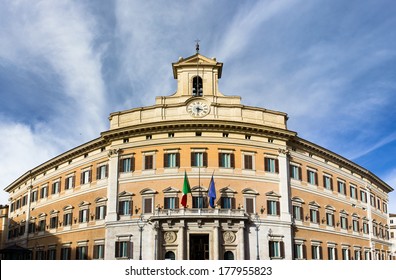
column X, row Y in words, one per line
column 332, row 253
column 372, row 200
column 226, row 160
column 127, row 164
column 226, row 202
column 328, row 183
column 312, row 177
column 355, row 225
column 365, row 228
column 98, row 253
column 69, row 182
column 67, row 219
column 65, row 253
column 54, row 222
column 248, row 162
column 314, row 216
column 199, row 159
column 24, row 200
column 344, row 222
column 102, row 172
column 82, row 253
column 330, row 219
column 316, row 252
column 31, row 227
column 341, row 187
column 299, row 251
column 358, row 255
column 276, row 249
column 100, row 212
column 52, row 254
column 171, row 203
column 148, row 162
column 42, row 224
column 33, row 196
column 122, row 249
column 148, row 205
column 199, row 202
column 56, row 187
column 125, row 207
column 171, row 160
column 295, row 172
column 345, row 253
column 385, row 207
column 273, row 208
column 249, row 205
column 297, row 213
column 363, row 196
column 85, row 177
column 44, row 192
column 84, row 216
column 271, row 165
column 353, row 192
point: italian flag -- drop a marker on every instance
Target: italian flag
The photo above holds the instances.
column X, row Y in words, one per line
column 186, row 190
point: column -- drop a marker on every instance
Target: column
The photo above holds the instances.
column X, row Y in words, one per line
column 181, row 244
column 216, row 243
column 112, row 188
column 241, row 241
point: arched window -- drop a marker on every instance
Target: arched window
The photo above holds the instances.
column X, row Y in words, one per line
column 170, row 255
column 197, row 86
column 228, row 255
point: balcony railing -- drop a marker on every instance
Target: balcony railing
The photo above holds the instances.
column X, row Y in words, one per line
column 199, row 212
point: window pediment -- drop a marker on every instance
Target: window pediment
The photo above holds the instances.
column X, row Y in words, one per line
column 148, row 191
column 170, row 190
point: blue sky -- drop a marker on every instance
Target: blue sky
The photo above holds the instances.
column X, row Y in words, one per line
column 66, row 65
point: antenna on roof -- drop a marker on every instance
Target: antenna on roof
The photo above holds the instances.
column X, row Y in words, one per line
column 197, row 45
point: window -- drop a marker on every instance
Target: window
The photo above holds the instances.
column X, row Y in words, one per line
column 248, row 162
column 345, row 253
column 365, row 227
column 171, row 202
column 227, row 202
column 127, row 164
column 316, row 251
column 341, row 187
column 24, row 200
column 125, row 207
column 249, row 205
column 357, row 254
column 148, row 162
column 298, row 212
column 372, row 200
column 353, row 192
column 329, row 218
column 98, row 252
column 69, row 182
column 328, row 182
column 312, row 177
column 102, row 172
column 65, row 253
column 83, row 216
column 271, row 165
column 199, row 159
column 31, row 227
column 148, row 205
column 82, row 253
column 33, row 196
column 299, row 251
column 68, row 219
column 295, row 172
column 226, row 160
column 40, row 254
column 273, row 208
column 100, row 212
column 85, row 177
column 332, row 253
column 344, row 222
column 171, row 160
column 363, row 196
column 355, row 224
column 44, row 192
column 42, row 224
column 122, row 249
column 197, row 86
column 199, row 201
column 54, row 222
column 276, row 249
column 56, row 187
column 314, row 215
column 52, row 253
column 385, row 207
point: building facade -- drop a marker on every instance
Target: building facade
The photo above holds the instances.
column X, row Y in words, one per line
column 277, row 196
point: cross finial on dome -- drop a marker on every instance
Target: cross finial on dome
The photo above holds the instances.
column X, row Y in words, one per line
column 197, row 45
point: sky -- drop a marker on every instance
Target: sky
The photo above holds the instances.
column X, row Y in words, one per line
column 66, row 65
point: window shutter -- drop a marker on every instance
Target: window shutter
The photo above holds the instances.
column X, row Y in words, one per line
column 276, row 165
column 121, row 166
column 176, row 203
column 130, row 207
column 312, row 251
column 320, row 253
column 97, row 213
column 249, row 205
column 316, row 178
column 177, row 159
column 308, row 176
column 148, row 205
column 193, row 159
column 81, row 178
column 119, row 207
column 232, row 160
column 271, row 249
column 233, row 203
column 107, row 170
column 266, row 164
column 98, row 173
column 132, row 164
column 300, row 173
column 166, row 160
column 304, row 251
column 117, row 249
column 278, row 208
column 282, row 249
column 166, row 203
column 205, row 159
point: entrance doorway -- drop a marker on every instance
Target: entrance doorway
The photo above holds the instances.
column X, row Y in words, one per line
column 199, row 246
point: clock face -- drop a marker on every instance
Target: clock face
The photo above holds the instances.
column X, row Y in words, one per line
column 198, row 109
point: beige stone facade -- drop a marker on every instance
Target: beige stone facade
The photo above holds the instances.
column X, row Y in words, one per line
column 277, row 196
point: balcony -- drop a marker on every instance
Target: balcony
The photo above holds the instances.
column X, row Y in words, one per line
column 199, row 213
